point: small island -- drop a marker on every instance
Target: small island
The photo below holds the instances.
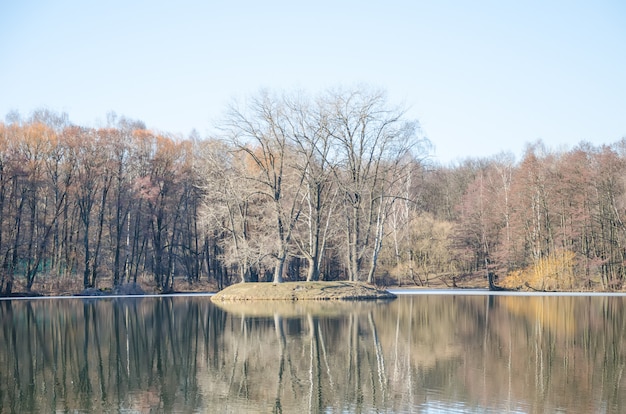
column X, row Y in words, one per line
column 337, row 290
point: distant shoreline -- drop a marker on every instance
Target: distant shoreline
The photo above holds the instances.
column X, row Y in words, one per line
column 416, row 291
column 468, row 286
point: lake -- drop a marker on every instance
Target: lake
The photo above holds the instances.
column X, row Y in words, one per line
column 420, row 353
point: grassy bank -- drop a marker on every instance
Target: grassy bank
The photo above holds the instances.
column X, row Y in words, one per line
column 301, row 291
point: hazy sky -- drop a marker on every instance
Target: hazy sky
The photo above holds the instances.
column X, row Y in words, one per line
column 482, row 77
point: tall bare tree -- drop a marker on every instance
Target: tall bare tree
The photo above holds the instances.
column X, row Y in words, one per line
column 372, row 146
column 231, row 208
column 313, row 140
column 262, row 133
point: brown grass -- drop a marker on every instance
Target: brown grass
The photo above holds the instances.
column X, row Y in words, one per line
column 301, row 291
column 69, row 286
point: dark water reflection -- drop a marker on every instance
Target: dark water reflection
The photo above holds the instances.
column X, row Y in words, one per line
column 415, row 354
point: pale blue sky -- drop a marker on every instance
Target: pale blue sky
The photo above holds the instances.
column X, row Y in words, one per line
column 481, row 76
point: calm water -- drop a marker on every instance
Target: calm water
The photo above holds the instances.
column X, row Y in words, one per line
column 426, row 353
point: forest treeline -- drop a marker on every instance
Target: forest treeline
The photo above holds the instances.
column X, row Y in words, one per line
column 293, row 187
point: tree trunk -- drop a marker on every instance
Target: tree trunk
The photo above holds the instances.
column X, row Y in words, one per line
column 354, row 262
column 313, row 272
column 280, row 266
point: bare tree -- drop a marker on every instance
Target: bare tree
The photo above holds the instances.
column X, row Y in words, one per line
column 313, row 140
column 372, row 144
column 262, row 134
column 230, row 208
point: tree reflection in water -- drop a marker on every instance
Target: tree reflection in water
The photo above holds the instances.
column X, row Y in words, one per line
column 470, row 353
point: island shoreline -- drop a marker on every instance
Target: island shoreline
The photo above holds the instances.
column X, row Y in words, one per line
column 295, row 291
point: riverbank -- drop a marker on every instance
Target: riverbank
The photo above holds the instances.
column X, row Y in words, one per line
column 52, row 287
column 145, row 286
column 301, row 291
column 337, row 290
column 71, row 287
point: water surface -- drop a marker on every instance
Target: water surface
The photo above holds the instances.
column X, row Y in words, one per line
column 419, row 353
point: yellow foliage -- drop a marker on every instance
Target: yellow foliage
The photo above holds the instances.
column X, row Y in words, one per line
column 423, row 250
column 553, row 272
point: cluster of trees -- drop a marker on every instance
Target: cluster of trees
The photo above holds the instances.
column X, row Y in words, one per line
column 553, row 221
column 117, row 202
column 309, row 183
column 298, row 187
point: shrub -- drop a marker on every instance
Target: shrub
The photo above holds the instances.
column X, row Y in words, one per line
column 553, row 272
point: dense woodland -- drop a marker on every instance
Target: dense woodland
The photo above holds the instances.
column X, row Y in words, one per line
column 292, row 187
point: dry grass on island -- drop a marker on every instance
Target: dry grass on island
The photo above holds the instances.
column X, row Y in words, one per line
column 302, row 291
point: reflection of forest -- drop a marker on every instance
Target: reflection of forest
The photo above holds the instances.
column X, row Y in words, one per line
column 534, row 354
